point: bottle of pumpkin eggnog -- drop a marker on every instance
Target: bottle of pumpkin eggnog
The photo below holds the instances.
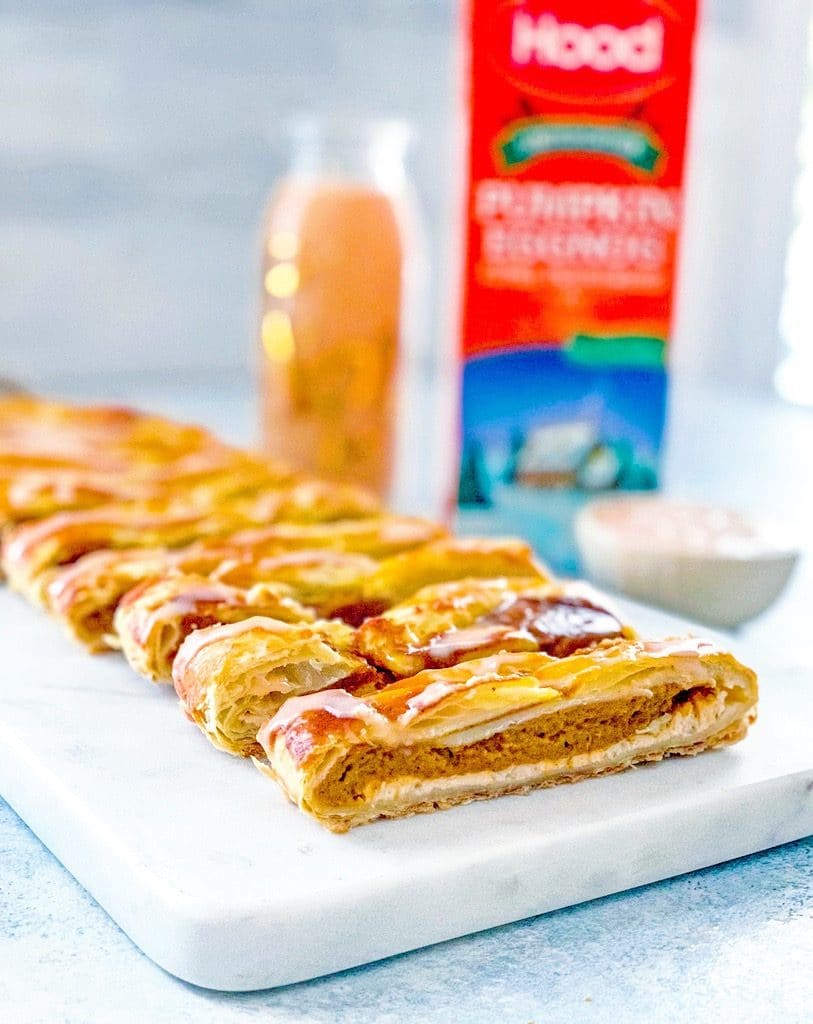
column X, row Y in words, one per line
column 343, row 348
column 576, row 115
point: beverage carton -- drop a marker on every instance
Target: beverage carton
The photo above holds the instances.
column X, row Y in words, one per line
column 577, row 130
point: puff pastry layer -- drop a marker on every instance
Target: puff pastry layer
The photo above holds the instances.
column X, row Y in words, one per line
column 504, row 724
column 376, row 536
column 447, row 623
column 37, row 433
column 58, row 458
column 83, row 596
column 322, row 561
column 31, row 549
column 230, row 679
column 387, row 649
column 154, row 618
column 340, row 583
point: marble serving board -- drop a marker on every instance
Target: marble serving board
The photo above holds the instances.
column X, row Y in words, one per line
column 221, row 882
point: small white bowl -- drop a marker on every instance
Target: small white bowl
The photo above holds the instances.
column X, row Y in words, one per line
column 704, row 562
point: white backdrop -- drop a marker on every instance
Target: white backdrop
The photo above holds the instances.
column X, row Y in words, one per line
column 137, row 149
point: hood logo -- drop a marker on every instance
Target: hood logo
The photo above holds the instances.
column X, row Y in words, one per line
column 548, row 42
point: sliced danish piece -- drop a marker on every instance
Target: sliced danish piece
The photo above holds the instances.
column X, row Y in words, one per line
column 32, row 548
column 36, row 493
column 353, row 587
column 57, row 458
column 198, row 479
column 231, row 679
column 504, row 724
column 386, row 649
column 447, row 623
column 327, row 581
column 84, row 595
column 36, row 432
column 154, row 618
column 378, row 537
column 450, row 558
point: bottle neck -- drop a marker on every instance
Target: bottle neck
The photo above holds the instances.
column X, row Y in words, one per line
column 370, row 153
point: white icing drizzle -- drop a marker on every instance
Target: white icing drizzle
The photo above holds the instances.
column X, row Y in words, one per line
column 431, row 695
column 319, row 557
column 201, row 638
column 338, row 703
column 68, row 574
column 186, row 602
column 26, row 536
column 679, row 645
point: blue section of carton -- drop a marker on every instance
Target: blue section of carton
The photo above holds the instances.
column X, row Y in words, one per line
column 542, row 433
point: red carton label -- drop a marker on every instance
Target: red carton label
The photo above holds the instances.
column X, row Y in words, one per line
column 577, row 137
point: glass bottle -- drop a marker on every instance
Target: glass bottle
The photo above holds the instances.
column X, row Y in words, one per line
column 342, row 266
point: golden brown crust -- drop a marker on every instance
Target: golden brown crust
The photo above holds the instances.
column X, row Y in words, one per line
column 33, row 548
column 323, row 560
column 231, row 678
column 376, row 536
column 325, row 580
column 198, row 479
column 84, row 596
column 154, row 618
column 384, row 657
column 334, row 582
column 56, row 458
column 36, row 493
column 448, row 623
column 109, row 477
column 39, row 433
column 453, row 558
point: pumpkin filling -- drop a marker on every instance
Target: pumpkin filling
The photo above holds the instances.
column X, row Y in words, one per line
column 555, row 737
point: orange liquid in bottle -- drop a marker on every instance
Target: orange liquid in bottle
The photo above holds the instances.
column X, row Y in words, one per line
column 332, row 280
